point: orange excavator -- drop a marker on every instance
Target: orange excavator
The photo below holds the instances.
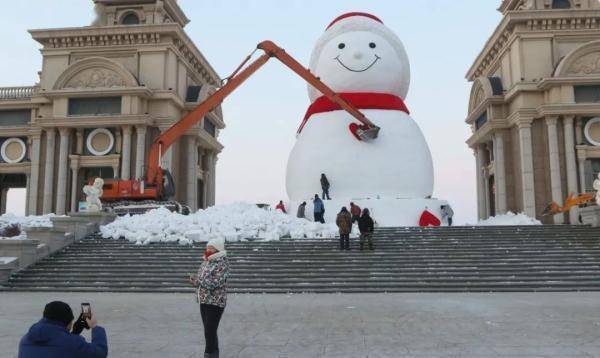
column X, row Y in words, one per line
column 157, row 188
column 554, row 208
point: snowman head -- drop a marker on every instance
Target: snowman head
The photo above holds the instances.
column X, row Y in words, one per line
column 358, row 53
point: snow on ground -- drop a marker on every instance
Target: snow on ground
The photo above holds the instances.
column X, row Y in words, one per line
column 509, row 219
column 233, row 222
column 24, row 222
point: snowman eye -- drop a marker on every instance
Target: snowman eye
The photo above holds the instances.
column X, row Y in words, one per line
column 372, row 45
column 341, row 46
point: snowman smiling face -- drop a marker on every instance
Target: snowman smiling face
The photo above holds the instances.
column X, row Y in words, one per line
column 362, row 61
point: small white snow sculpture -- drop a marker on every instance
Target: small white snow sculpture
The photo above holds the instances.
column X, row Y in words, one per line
column 93, row 193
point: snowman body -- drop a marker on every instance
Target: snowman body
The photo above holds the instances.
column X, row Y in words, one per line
column 358, row 54
column 395, row 165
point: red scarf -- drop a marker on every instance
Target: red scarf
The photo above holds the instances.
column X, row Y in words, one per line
column 362, row 100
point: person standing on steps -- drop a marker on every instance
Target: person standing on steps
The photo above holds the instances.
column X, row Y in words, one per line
column 355, row 211
column 281, row 207
column 344, row 223
column 211, row 282
column 447, row 212
column 301, row 214
column 366, row 227
column 319, row 209
column 325, row 186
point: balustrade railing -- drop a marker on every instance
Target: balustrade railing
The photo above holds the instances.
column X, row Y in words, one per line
column 7, row 93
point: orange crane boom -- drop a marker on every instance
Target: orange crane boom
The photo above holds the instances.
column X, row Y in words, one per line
column 152, row 187
column 168, row 137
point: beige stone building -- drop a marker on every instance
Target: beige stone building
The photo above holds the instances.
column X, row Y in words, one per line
column 535, row 107
column 105, row 92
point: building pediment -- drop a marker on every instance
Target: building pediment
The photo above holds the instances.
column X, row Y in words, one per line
column 586, row 65
column 95, row 78
column 582, row 61
column 95, row 73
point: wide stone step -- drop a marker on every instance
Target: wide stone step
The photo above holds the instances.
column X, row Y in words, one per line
column 310, row 286
column 501, row 259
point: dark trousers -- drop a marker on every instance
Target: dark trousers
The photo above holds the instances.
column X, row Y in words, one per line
column 344, row 241
column 368, row 237
column 326, row 194
column 211, row 316
column 319, row 218
column 449, row 221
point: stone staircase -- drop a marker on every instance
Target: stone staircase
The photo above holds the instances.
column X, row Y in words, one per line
column 461, row 259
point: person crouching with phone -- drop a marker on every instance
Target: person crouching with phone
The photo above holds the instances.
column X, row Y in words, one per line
column 211, row 282
column 57, row 335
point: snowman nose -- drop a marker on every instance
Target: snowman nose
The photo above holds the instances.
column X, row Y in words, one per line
column 358, row 55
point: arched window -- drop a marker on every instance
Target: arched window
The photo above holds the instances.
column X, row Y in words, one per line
column 130, row 19
column 561, row 4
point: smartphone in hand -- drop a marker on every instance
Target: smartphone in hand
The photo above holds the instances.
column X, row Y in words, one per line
column 86, row 310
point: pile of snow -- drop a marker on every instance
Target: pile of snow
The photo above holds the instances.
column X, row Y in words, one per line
column 24, row 222
column 509, row 219
column 233, row 222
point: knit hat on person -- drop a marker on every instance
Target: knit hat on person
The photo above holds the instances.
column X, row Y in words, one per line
column 218, row 243
column 59, row 311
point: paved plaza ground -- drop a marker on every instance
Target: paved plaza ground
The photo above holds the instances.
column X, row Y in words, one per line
column 349, row 325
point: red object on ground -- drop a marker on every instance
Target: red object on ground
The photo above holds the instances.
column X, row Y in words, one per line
column 359, row 100
column 428, row 219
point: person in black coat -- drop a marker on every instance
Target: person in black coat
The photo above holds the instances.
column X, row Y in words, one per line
column 325, row 186
column 366, row 227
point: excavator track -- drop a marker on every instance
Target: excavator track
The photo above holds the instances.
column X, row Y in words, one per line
column 122, row 208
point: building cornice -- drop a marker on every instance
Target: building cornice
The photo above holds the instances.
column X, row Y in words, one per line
column 15, row 131
column 88, row 37
column 144, row 92
column 577, row 109
column 533, row 21
column 483, row 106
column 486, row 131
column 548, row 83
column 95, row 121
column 17, row 168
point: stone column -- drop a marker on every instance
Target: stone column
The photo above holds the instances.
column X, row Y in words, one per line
column 571, row 165
column 126, row 154
column 63, row 161
column 3, row 197
column 49, row 171
column 581, row 159
column 500, row 171
column 213, row 179
column 140, row 151
column 554, row 157
column 27, row 184
column 192, row 173
column 527, row 178
column 480, row 191
column 35, row 174
column 74, row 188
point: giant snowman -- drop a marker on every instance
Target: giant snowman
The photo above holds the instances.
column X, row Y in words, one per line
column 366, row 63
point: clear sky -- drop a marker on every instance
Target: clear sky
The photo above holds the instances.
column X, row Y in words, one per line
column 442, row 38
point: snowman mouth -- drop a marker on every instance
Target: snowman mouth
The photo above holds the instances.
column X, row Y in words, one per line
column 377, row 58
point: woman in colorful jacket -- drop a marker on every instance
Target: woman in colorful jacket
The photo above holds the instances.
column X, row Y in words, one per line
column 211, row 282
